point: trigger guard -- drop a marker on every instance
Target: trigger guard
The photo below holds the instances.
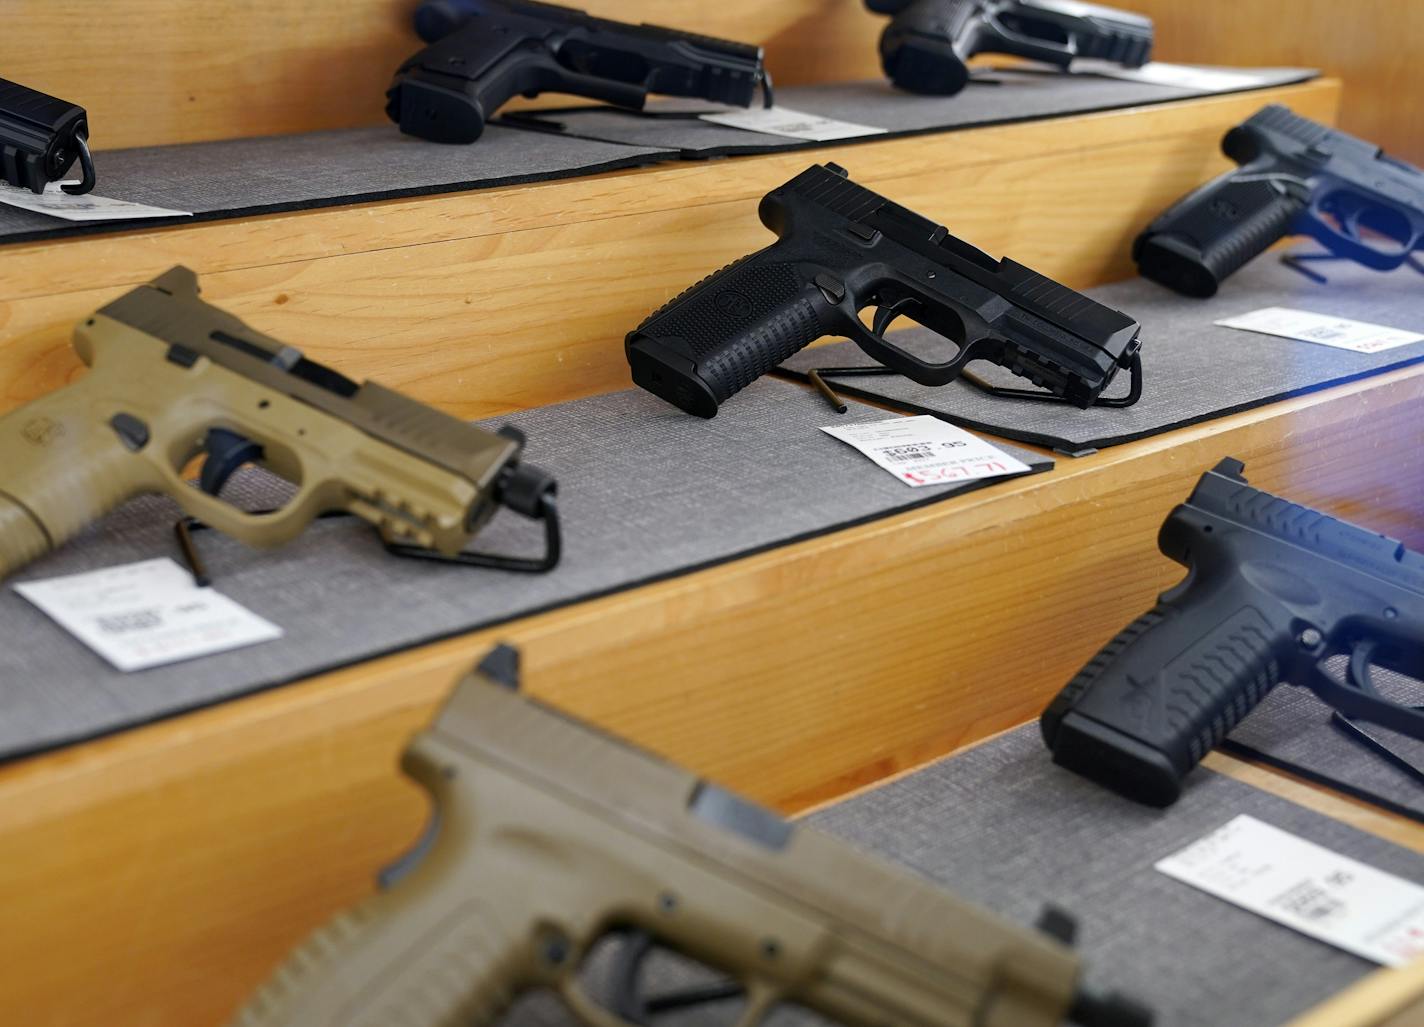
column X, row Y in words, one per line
column 1058, row 54
column 226, row 451
column 1312, row 223
column 912, row 367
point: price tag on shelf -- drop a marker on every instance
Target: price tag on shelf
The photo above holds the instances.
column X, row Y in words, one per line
column 782, row 121
column 1340, row 332
column 141, row 615
column 57, row 203
column 924, row 450
column 1183, row 76
column 1305, row 886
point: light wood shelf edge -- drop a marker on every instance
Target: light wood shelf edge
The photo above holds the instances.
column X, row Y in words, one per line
column 491, row 301
column 44, row 786
column 115, row 259
column 239, row 828
column 1386, row 998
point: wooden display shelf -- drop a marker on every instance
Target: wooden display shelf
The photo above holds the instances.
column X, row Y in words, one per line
column 154, row 877
column 494, row 300
column 150, row 73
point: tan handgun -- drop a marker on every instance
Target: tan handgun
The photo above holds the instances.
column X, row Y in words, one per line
column 548, row 835
column 172, row 378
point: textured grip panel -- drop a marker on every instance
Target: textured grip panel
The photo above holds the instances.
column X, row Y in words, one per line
column 459, row 973
column 63, row 469
column 1145, row 710
column 1206, row 237
column 274, row 1002
column 732, row 327
column 1105, row 657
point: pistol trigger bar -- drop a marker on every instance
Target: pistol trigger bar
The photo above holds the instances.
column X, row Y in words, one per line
column 627, row 1000
column 226, row 451
column 886, row 313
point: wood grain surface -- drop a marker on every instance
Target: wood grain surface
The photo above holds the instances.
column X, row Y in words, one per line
column 1370, row 44
column 153, row 878
column 152, row 72
column 166, row 71
column 1386, row 998
column 502, row 299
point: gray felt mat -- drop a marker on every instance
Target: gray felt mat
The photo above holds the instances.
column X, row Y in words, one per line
column 1004, row 827
column 1004, row 96
column 241, row 177
column 1192, row 369
column 646, row 492
column 1294, row 730
column 261, row 176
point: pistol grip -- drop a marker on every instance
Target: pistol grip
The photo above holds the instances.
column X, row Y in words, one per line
column 1212, row 232
column 61, row 472
column 925, row 46
column 726, row 331
column 1145, row 710
column 368, row 968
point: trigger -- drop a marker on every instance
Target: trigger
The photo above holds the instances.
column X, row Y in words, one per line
column 884, row 315
column 227, row 451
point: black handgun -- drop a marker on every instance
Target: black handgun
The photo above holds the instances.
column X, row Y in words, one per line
column 928, row 43
column 483, row 52
column 1273, row 591
column 1297, row 177
column 843, row 248
column 40, row 138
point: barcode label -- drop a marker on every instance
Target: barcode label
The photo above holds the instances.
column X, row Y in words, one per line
column 1310, row 901
column 924, row 450
column 88, row 207
column 907, row 454
column 141, row 615
column 782, row 121
column 135, row 620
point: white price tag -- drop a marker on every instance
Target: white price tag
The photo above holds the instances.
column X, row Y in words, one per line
column 1340, row 332
column 57, row 203
column 782, row 121
column 1183, row 76
column 146, row 614
column 1305, row 886
column 924, row 450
